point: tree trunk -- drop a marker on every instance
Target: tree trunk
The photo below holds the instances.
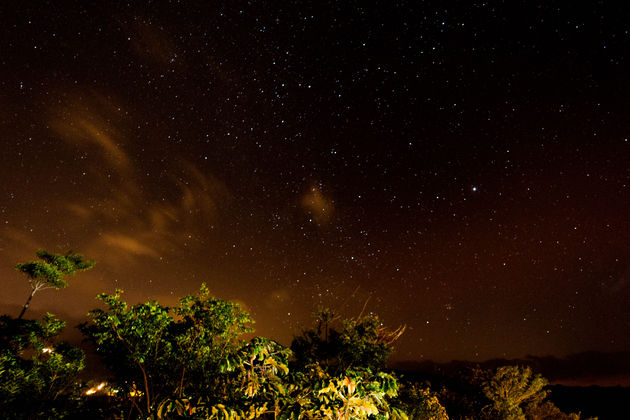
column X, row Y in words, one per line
column 146, row 388
column 28, row 302
column 181, row 382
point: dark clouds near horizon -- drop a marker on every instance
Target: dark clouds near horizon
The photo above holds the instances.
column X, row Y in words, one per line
column 464, row 168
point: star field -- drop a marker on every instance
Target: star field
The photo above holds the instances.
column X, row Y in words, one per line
column 463, row 169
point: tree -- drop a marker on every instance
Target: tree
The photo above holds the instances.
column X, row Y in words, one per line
column 134, row 345
column 206, row 334
column 254, row 380
column 504, row 393
column 356, row 395
column 254, row 383
column 338, row 371
column 38, row 375
column 419, row 402
column 361, row 342
column 49, row 273
column 159, row 354
column 512, row 389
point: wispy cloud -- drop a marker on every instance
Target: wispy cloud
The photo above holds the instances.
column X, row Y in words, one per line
column 317, row 205
column 129, row 244
column 126, row 214
column 86, row 121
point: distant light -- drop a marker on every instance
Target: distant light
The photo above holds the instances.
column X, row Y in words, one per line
column 95, row 389
column 474, row 189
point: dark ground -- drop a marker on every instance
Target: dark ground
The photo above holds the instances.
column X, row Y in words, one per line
column 606, row 403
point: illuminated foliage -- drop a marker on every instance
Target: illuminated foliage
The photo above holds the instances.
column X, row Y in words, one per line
column 422, row 403
column 510, row 389
column 134, row 345
column 359, row 394
column 205, row 335
column 338, row 370
column 38, row 375
column 331, row 385
column 253, row 383
column 157, row 353
column 49, row 271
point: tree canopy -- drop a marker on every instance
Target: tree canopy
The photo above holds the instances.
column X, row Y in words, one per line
column 50, row 270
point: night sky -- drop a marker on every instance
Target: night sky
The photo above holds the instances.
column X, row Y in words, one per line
column 462, row 167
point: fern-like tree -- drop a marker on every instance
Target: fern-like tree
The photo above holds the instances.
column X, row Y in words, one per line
column 49, row 271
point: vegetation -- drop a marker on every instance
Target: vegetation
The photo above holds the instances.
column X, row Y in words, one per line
column 37, row 374
column 49, row 271
column 191, row 362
